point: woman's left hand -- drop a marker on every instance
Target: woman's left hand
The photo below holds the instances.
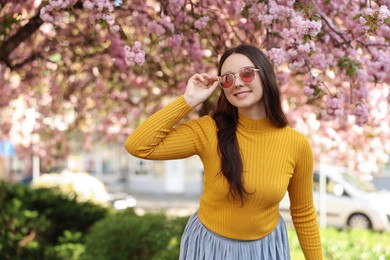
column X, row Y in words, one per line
column 199, row 88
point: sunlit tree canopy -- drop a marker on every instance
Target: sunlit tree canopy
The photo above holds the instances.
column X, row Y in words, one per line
column 95, row 68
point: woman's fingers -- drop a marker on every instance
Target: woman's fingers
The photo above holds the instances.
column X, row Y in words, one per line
column 207, row 79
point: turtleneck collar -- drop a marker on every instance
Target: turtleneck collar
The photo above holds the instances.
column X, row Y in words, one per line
column 258, row 125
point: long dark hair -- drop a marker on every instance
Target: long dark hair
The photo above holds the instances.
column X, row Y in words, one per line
column 226, row 118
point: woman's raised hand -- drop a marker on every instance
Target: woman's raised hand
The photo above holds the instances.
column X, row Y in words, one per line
column 199, row 88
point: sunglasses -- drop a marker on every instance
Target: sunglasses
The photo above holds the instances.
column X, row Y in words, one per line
column 246, row 74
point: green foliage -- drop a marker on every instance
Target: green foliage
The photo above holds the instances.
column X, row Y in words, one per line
column 7, row 22
column 351, row 66
column 70, row 247
column 128, row 236
column 43, row 224
column 35, row 220
column 355, row 244
column 372, row 20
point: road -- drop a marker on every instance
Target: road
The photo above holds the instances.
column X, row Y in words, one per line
column 171, row 204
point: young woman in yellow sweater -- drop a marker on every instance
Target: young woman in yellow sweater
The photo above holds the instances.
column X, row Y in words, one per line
column 250, row 158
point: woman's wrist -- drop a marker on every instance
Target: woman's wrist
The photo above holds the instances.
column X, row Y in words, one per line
column 190, row 101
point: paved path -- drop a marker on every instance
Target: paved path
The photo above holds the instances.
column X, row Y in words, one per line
column 171, row 204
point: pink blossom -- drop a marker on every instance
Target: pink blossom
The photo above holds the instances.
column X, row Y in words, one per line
column 246, row 24
column 134, row 55
column 383, row 14
column 305, row 27
column 139, row 19
column 139, row 58
column 194, row 49
column 201, row 23
column 360, row 92
column 175, row 6
column 361, row 114
column 280, row 10
column 296, row 64
column 267, row 19
column 304, row 48
column 88, row 5
column 335, row 105
column 168, row 25
column 175, row 41
column 257, row 10
column 277, row 55
column 46, row 17
column 154, row 27
column 115, row 28
column 234, row 8
column 308, row 91
column 362, row 20
column 137, row 47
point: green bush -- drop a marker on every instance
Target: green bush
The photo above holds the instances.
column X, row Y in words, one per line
column 128, row 236
column 70, row 247
column 33, row 220
column 357, row 244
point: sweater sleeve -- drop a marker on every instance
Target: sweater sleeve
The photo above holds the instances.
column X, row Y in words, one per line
column 302, row 208
column 157, row 138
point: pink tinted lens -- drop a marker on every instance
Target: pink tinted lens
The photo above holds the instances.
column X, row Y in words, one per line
column 247, row 75
column 226, row 80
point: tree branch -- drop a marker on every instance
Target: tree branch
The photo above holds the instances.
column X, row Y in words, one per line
column 335, row 31
column 21, row 35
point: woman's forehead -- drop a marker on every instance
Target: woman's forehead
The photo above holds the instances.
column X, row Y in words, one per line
column 235, row 62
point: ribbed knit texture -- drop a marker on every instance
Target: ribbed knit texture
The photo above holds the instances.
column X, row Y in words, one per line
column 275, row 160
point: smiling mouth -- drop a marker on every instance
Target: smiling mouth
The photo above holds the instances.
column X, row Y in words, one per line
column 243, row 93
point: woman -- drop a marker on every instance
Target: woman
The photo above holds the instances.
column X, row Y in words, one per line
column 250, row 158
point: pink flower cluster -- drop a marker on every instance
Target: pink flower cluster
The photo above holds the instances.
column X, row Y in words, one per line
column 361, row 114
column 305, row 27
column 155, row 27
column 51, row 12
column 160, row 28
column 175, row 6
column 194, row 49
column 124, row 55
column 312, row 86
column 234, row 8
column 134, row 55
column 100, row 10
column 308, row 91
column 335, row 105
column 201, row 23
column 277, row 55
column 117, row 52
column 360, row 94
column 175, row 41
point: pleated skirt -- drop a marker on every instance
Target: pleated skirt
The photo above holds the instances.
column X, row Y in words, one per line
column 198, row 243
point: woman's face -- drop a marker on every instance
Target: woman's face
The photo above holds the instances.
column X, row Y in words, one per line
column 247, row 97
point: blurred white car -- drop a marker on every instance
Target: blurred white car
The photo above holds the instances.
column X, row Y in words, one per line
column 85, row 187
column 350, row 202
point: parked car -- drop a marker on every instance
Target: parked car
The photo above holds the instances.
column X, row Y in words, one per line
column 122, row 200
column 350, row 202
column 86, row 188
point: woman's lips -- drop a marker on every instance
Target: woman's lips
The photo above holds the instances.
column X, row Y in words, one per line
column 241, row 94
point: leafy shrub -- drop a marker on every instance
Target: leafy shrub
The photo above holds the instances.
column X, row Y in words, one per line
column 356, row 244
column 33, row 220
column 70, row 247
column 128, row 236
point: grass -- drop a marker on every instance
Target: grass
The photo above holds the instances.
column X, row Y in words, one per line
column 353, row 244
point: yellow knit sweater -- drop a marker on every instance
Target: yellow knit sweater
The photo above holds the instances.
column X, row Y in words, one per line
column 275, row 160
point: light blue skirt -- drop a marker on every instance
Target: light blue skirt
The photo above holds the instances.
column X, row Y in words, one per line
column 198, row 243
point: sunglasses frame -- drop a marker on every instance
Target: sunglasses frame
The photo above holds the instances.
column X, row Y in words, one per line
column 235, row 75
